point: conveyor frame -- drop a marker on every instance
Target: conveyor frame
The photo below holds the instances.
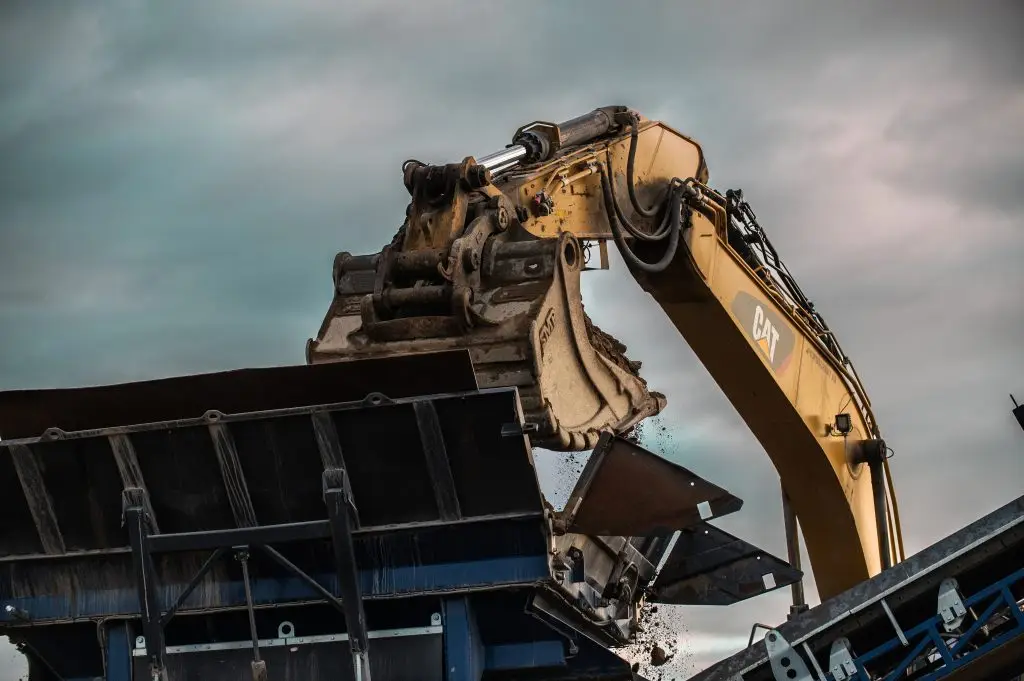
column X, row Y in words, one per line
column 888, row 622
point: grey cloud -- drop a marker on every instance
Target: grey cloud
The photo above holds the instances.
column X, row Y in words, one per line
column 969, row 148
column 177, row 179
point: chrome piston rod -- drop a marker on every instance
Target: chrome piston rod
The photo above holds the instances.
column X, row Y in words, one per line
column 503, row 160
column 579, row 130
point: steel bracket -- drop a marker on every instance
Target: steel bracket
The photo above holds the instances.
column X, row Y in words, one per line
column 787, row 665
column 951, row 605
column 840, row 660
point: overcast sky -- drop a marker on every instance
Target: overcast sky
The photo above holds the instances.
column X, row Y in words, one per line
column 177, row 177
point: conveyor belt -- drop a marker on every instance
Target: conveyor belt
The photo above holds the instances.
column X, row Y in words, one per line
column 952, row 611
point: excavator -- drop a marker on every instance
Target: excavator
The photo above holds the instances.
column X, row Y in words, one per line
column 376, row 511
column 489, row 258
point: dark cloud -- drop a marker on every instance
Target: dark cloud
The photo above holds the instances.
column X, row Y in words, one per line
column 176, row 179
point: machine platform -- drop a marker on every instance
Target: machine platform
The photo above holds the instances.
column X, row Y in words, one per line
column 176, row 530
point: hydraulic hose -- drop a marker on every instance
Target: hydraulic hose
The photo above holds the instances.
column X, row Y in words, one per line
column 675, row 226
column 631, row 184
column 660, row 233
column 671, row 224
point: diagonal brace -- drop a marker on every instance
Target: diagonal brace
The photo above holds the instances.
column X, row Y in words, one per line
column 341, row 513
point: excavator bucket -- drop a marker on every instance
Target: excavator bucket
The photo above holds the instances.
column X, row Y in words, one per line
column 520, row 316
column 469, row 269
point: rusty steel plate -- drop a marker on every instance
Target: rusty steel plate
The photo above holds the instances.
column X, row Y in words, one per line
column 28, row 413
column 709, row 566
column 421, row 459
column 625, row 490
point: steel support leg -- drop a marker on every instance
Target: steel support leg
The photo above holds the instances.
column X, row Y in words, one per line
column 259, row 667
column 136, row 520
column 793, row 556
column 342, row 514
column 119, row 652
column 463, row 648
column 876, row 468
column 873, row 452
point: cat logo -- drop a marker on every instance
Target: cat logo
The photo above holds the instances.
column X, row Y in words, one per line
column 765, row 335
column 546, row 329
column 770, row 333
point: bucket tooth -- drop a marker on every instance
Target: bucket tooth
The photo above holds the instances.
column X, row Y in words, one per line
column 522, row 320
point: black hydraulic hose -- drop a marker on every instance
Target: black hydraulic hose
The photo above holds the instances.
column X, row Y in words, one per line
column 675, row 206
column 660, row 233
column 630, row 183
column 744, row 223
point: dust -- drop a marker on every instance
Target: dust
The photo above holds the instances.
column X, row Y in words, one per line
column 652, row 434
column 658, row 652
column 656, row 436
column 568, row 470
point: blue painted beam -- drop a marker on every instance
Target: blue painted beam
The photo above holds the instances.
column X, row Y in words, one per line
column 525, row 655
column 119, row 652
column 403, row 581
column 464, row 656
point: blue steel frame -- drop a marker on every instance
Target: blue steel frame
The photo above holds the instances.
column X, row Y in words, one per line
column 467, row 656
column 387, row 582
column 546, row 655
column 488, row 558
column 994, row 598
column 523, row 568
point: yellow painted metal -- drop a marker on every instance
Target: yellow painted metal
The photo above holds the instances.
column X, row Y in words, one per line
column 760, row 345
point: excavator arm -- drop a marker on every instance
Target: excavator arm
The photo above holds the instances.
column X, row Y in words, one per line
column 490, row 256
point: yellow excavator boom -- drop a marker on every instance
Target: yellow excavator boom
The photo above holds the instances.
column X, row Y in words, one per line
column 489, row 258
